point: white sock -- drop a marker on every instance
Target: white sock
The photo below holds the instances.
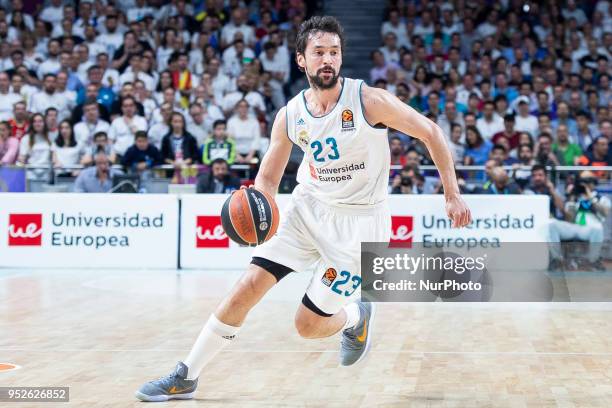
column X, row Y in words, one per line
column 352, row 315
column 212, row 339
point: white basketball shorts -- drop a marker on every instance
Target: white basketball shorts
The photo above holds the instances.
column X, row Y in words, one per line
column 328, row 237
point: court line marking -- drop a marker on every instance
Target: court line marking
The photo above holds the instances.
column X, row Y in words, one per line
column 301, row 351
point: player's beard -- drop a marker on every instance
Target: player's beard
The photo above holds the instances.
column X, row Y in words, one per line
column 317, row 81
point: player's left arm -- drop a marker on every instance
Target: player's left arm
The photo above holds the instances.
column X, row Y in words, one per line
column 382, row 107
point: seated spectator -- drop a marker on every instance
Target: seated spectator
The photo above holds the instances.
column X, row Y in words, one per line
column 49, row 97
column 244, row 91
column 92, row 92
column 7, row 98
column 522, row 169
column 98, row 178
column 500, row 154
column 161, row 129
column 490, row 123
column 100, row 141
column 198, row 124
column 219, row 180
column 124, row 128
column 35, row 149
column 478, row 149
column 245, row 130
column 52, row 123
column 219, row 146
column 9, row 145
column 567, row 153
column 235, row 56
column 402, row 182
column 19, row 123
column 543, row 151
column 500, row 183
column 541, row 185
column 585, row 133
column 456, row 147
column 525, row 122
column 396, row 146
column 490, row 165
column 91, row 124
column 142, row 155
column 179, row 147
column 509, row 132
column 585, row 215
column 563, row 117
column 599, row 156
column 66, row 151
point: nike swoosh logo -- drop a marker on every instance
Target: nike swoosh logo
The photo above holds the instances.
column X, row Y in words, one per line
column 364, row 334
column 173, row 390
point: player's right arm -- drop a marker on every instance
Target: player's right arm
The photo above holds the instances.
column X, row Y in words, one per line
column 276, row 158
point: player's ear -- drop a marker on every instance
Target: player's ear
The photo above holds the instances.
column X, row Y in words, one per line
column 301, row 61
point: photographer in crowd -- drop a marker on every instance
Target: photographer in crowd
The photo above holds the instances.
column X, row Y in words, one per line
column 585, row 213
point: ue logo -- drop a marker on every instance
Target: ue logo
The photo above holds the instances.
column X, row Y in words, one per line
column 25, row 230
column 401, row 231
column 210, row 233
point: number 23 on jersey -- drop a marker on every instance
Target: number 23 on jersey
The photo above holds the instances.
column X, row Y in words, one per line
column 317, row 147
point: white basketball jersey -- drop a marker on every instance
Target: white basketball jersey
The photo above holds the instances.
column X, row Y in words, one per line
column 346, row 160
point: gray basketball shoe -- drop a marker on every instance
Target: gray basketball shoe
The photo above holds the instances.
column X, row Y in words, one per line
column 172, row 386
column 357, row 340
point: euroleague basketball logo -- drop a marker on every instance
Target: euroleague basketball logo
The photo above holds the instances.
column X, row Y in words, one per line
column 347, row 119
column 401, row 231
column 25, row 230
column 210, row 233
column 329, row 276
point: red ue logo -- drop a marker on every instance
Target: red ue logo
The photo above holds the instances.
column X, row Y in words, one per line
column 401, row 231
column 25, row 230
column 210, row 233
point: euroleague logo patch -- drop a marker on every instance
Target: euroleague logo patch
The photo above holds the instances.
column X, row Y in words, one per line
column 329, row 276
column 347, row 119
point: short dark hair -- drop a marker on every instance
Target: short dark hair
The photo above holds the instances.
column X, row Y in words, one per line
column 326, row 24
column 537, row 167
column 545, row 135
column 98, row 134
column 90, row 101
column 498, row 147
column 219, row 160
column 219, row 122
column 140, row 134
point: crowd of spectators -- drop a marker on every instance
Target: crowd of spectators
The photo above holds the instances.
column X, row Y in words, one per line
column 516, row 82
column 142, row 82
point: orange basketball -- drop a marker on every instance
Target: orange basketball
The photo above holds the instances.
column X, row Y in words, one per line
column 250, row 217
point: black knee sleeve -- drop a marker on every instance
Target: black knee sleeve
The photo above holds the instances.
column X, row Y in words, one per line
column 279, row 271
column 310, row 305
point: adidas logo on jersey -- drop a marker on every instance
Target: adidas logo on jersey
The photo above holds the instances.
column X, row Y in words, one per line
column 300, row 122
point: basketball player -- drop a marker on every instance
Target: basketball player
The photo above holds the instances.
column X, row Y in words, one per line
column 341, row 200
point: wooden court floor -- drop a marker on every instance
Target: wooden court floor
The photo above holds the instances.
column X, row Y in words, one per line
column 103, row 333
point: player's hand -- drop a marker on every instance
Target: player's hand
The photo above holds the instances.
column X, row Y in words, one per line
column 458, row 211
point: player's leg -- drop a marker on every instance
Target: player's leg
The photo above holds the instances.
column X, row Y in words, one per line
column 329, row 307
column 331, row 303
column 218, row 332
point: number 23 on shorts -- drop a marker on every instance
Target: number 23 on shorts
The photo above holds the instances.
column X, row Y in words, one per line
column 347, row 284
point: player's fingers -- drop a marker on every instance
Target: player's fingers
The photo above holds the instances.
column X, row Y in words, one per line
column 455, row 219
column 463, row 218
